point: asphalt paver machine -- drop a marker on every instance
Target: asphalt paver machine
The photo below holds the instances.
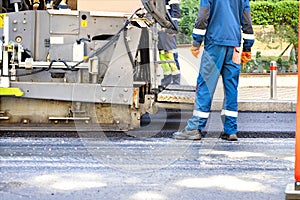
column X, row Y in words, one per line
column 69, row 69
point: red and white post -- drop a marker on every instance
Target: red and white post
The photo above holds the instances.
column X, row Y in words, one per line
column 273, row 77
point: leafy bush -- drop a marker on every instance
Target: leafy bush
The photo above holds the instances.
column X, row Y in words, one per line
column 189, row 13
column 264, row 12
column 284, row 16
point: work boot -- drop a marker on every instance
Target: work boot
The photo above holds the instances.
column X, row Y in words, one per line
column 229, row 137
column 187, row 135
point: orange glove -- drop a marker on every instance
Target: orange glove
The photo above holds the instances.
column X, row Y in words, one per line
column 195, row 51
column 246, row 57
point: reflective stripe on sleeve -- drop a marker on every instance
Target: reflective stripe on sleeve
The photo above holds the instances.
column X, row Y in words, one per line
column 199, row 31
column 229, row 113
column 176, row 19
column 173, row 2
column 248, row 36
column 200, row 114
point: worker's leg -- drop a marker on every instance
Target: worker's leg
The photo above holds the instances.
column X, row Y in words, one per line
column 166, row 69
column 172, row 64
column 165, row 66
column 230, row 75
column 176, row 78
column 211, row 64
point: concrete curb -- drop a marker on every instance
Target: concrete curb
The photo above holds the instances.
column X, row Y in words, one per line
column 256, row 105
column 251, row 105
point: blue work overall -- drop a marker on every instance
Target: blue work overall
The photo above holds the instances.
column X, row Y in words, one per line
column 216, row 60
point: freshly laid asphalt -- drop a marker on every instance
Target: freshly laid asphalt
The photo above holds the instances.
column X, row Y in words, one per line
column 145, row 168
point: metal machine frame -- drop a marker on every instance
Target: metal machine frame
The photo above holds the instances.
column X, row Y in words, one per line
column 65, row 69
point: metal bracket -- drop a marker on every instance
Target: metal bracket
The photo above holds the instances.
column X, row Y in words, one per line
column 150, row 105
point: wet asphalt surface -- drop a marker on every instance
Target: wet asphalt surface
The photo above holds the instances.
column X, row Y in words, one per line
column 151, row 165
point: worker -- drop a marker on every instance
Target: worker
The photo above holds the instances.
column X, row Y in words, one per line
column 220, row 24
column 175, row 13
column 167, row 43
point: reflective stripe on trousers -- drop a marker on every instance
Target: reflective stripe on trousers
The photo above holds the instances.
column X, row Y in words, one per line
column 216, row 60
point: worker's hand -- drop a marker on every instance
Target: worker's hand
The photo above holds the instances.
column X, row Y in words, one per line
column 246, row 57
column 197, row 41
column 246, row 53
column 195, row 51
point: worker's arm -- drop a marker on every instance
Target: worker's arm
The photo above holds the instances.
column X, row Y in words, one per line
column 248, row 34
column 173, row 9
column 200, row 27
